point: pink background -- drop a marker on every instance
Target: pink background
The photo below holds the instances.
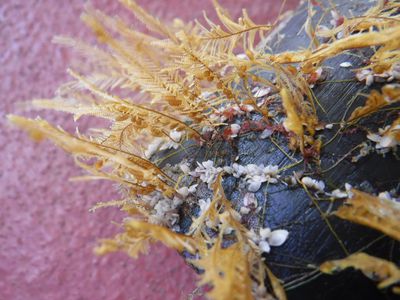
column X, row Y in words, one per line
column 46, row 232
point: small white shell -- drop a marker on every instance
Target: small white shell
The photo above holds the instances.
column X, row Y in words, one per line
column 265, row 233
column 254, row 186
column 374, row 137
column 346, row 64
column 385, row 196
column 249, row 199
column 208, row 164
column 235, row 128
column 313, row 184
column 228, row 169
column 228, row 230
column 192, row 188
column 261, row 92
column 340, row 35
column 185, row 168
column 264, row 247
column 388, row 141
column 278, row 237
column 266, row 133
column 334, row 14
column 242, row 56
column 184, row 191
column 244, row 210
column 339, row 194
column 348, row 188
column 270, row 170
column 369, row 80
column 247, row 107
column 176, row 135
column 204, row 204
column 153, row 147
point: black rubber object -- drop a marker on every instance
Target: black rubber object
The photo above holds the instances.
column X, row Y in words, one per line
column 311, row 242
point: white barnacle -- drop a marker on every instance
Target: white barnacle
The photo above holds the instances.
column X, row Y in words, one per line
column 185, row 168
column 164, row 209
column 264, row 247
column 204, row 204
column 348, row 188
column 235, row 128
column 385, row 196
column 278, row 237
column 183, row 191
column 254, row 183
column 228, row 230
column 206, row 171
column 242, row 56
column 268, row 238
column 247, row 107
column 265, row 233
column 256, row 175
column 270, row 172
column 249, row 200
column 175, row 135
column 153, row 147
column 369, row 80
column 339, row 194
column 386, row 138
column 395, row 71
column 266, row 133
column 346, row 64
column 192, row 188
column 238, row 170
column 365, row 74
column 261, row 92
column 244, row 210
column 314, row 184
column 174, row 140
column 340, row 35
column 207, row 129
column 228, row 169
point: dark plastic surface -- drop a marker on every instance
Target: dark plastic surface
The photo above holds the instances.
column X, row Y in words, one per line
column 311, row 242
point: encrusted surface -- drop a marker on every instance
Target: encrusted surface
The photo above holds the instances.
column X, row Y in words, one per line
column 311, row 241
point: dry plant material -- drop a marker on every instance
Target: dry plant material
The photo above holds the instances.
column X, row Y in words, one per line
column 230, row 268
column 226, row 270
column 139, row 235
column 362, row 40
column 355, row 33
column 388, row 137
column 245, row 29
column 139, row 174
column 386, row 272
column 390, row 94
column 375, row 212
column 196, row 81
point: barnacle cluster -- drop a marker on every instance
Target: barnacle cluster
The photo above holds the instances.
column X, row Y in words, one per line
column 202, row 83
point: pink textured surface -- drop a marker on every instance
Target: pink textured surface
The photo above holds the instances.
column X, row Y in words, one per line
column 46, row 232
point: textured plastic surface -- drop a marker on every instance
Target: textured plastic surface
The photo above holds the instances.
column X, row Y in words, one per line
column 311, row 241
column 46, row 231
